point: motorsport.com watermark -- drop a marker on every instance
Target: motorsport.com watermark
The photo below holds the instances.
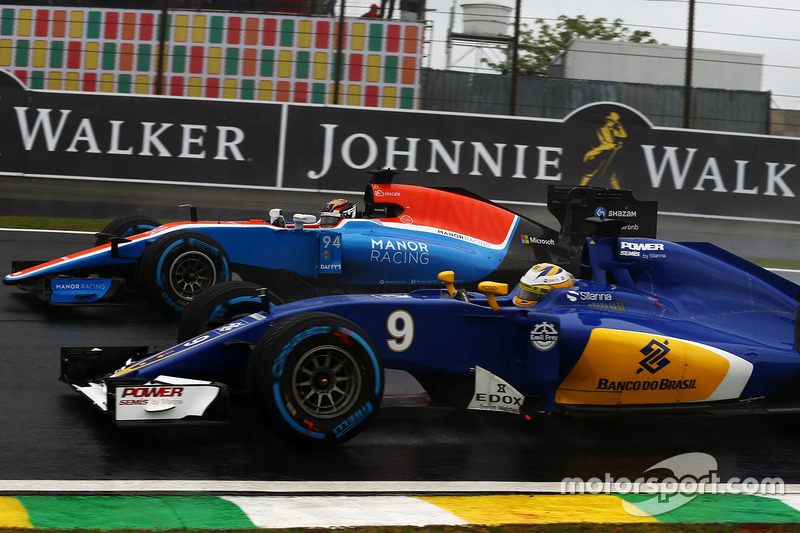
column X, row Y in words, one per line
column 692, row 474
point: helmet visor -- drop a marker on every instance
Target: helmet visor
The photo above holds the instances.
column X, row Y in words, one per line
column 329, row 219
column 533, row 293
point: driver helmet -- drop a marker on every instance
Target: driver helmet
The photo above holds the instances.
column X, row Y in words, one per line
column 539, row 280
column 336, row 210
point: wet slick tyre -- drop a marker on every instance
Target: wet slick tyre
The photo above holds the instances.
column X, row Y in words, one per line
column 316, row 379
column 127, row 226
column 222, row 303
column 179, row 266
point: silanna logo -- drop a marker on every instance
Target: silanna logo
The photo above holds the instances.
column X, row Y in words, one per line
column 655, row 356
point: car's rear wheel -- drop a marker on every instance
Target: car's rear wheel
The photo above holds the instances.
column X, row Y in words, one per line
column 222, row 303
column 126, row 227
column 178, row 267
column 316, row 379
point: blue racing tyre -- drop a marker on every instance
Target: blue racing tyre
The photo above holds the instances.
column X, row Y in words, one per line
column 316, row 379
column 178, row 267
column 222, row 303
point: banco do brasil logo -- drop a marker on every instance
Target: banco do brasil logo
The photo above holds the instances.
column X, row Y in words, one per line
column 655, row 356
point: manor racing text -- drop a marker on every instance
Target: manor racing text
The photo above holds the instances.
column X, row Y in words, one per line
column 399, row 252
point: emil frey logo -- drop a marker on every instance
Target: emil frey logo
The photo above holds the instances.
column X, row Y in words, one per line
column 655, row 356
column 544, row 336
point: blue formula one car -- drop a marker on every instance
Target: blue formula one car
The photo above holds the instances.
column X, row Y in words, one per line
column 649, row 325
column 404, row 237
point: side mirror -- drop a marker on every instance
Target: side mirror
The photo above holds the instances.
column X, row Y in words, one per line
column 492, row 289
column 448, row 277
column 300, row 220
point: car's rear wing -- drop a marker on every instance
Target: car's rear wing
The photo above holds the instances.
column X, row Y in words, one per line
column 599, row 212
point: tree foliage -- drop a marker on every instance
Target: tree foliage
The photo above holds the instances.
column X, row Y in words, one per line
column 538, row 46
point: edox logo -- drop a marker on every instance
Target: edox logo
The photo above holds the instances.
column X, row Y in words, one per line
column 655, row 356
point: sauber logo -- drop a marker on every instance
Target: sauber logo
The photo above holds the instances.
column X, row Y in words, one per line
column 655, row 356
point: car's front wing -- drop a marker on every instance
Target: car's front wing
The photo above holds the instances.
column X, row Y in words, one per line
column 71, row 291
column 165, row 399
column 130, row 401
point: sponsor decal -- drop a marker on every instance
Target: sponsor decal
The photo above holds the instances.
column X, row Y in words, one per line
column 139, row 392
column 544, row 336
column 405, row 219
column 656, row 384
column 494, row 394
column 574, row 296
column 655, row 359
column 377, row 192
column 230, row 327
column 636, row 249
column 620, row 367
column 399, row 252
column 155, row 395
column 601, row 212
column 622, row 214
column 471, row 240
column 526, row 239
column 72, row 285
column 655, row 356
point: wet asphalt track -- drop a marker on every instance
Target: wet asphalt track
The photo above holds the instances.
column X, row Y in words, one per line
column 49, row 432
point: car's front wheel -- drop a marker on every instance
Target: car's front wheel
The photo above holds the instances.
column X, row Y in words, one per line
column 316, row 379
column 178, row 267
column 222, row 303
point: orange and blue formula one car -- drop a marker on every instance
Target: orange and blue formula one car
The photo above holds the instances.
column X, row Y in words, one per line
column 402, row 239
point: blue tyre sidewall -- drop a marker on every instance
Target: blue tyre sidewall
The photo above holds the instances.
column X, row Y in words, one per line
column 299, row 424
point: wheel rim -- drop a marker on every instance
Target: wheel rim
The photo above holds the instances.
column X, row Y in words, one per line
column 191, row 273
column 326, row 381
